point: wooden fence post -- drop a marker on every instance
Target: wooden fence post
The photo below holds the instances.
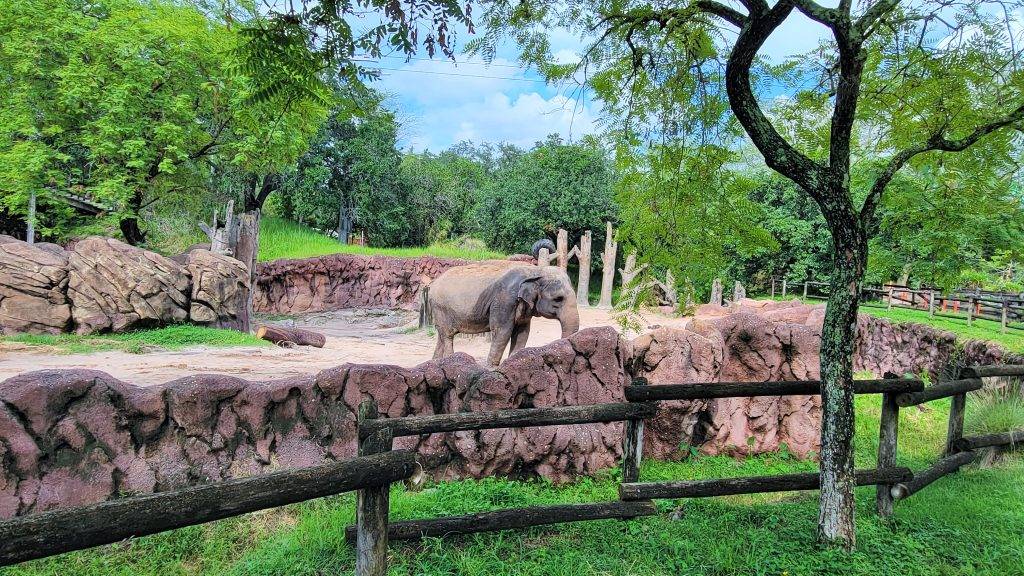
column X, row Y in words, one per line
column 931, row 304
column 957, row 408
column 773, row 287
column 372, row 503
column 633, row 444
column 889, row 296
column 562, row 249
column 970, row 310
column 805, row 289
column 887, row 436
column 783, row 287
column 1006, row 310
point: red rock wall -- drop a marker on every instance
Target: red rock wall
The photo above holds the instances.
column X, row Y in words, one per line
column 340, row 281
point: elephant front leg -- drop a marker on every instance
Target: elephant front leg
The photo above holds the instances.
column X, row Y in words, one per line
column 520, row 334
column 499, row 340
column 445, row 343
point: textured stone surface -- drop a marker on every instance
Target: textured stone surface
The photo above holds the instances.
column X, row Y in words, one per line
column 33, row 282
column 114, row 286
column 220, row 285
column 339, row 281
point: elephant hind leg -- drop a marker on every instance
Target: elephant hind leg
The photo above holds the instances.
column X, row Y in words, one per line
column 445, row 343
column 520, row 334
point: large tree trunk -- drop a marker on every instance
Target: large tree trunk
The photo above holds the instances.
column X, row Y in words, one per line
column 836, row 506
column 247, row 250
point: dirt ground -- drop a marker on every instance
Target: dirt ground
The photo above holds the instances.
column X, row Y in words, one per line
column 358, row 336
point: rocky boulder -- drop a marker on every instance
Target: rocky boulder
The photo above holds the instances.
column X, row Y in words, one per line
column 33, row 281
column 114, row 286
column 220, row 285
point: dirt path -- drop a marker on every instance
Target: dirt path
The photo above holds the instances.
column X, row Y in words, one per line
column 362, row 336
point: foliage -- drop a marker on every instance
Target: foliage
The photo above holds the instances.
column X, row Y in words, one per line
column 996, row 408
column 174, row 337
column 968, row 522
column 446, row 189
column 281, row 238
column 554, row 185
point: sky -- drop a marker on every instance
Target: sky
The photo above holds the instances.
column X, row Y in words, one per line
column 441, row 103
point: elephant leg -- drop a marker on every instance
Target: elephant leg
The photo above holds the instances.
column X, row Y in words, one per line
column 499, row 340
column 445, row 343
column 520, row 334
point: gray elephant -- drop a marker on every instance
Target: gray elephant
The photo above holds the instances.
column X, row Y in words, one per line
column 501, row 298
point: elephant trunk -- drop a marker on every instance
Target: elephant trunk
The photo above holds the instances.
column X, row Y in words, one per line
column 570, row 320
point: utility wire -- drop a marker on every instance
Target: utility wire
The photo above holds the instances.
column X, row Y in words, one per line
column 438, row 73
column 456, row 62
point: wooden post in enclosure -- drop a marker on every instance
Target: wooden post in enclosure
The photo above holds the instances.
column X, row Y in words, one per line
column 562, row 249
column 887, row 438
column 970, row 310
column 1006, row 313
column 633, row 444
column 716, row 292
column 630, row 271
column 583, row 256
column 957, row 408
column 372, row 503
column 931, row 304
column 773, row 287
column 738, row 292
column 889, row 298
column 544, row 257
column 784, row 287
column 805, row 289
column 608, row 267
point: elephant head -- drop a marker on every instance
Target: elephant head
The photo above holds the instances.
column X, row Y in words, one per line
column 546, row 292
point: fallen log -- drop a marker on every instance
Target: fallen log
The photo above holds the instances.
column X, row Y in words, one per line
column 512, row 518
column 298, row 336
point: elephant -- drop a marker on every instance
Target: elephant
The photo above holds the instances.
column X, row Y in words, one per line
column 502, row 298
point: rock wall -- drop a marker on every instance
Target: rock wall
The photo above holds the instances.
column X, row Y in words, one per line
column 101, row 284
column 71, row 437
column 339, row 281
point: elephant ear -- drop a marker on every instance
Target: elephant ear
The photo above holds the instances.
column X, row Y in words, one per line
column 529, row 292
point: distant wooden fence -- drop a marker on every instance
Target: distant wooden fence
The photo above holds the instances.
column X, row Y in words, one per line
column 1002, row 307
column 377, row 466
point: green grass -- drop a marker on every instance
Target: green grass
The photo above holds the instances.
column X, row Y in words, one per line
column 173, row 337
column 967, row 523
column 281, row 238
column 980, row 329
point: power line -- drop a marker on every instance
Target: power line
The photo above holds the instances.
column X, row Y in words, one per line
column 457, row 63
column 438, row 73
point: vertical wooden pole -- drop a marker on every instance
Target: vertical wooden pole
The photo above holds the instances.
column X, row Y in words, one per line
column 30, row 228
column 544, row 257
column 1006, row 310
column 783, row 287
column 970, row 311
column 633, row 444
column 372, row 504
column 773, row 287
column 562, row 249
column 957, row 408
column 611, row 247
column 805, row 289
column 583, row 285
column 889, row 296
column 887, row 436
column 931, row 304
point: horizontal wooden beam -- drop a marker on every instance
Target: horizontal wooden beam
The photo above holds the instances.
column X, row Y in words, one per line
column 752, row 484
column 512, row 518
column 591, row 413
column 702, row 390
column 63, row 530
column 941, row 390
column 990, row 371
column 921, row 479
column 1001, row 439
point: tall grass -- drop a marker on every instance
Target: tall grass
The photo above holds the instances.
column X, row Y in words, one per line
column 282, row 238
column 996, row 408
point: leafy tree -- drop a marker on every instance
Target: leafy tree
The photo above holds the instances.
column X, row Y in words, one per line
column 908, row 80
column 446, row 189
column 554, row 185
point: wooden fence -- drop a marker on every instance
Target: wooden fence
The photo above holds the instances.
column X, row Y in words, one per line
column 377, row 466
column 1005, row 308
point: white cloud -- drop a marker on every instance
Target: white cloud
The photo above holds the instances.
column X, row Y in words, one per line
column 520, row 120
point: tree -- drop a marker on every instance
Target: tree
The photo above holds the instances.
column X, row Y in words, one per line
column 554, row 185
column 915, row 79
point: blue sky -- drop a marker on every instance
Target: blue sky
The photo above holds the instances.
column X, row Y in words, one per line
column 441, row 102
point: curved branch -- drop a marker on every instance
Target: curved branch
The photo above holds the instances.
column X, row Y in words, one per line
column 724, row 12
column 938, row 142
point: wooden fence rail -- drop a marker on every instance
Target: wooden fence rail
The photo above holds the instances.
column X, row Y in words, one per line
column 377, row 466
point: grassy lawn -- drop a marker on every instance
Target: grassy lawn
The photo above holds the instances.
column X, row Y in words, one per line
column 968, row 523
column 281, row 238
column 168, row 338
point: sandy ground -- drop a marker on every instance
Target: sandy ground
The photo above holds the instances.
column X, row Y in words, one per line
column 359, row 336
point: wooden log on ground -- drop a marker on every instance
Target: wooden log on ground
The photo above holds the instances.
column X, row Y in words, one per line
column 940, row 390
column 698, row 391
column 48, row 533
column 1001, row 439
column 298, row 336
column 991, row 371
column 372, row 504
column 514, row 518
column 586, row 414
column 752, row 484
column 921, row 479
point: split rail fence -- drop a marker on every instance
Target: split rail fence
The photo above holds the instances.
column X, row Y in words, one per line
column 377, row 466
column 1005, row 308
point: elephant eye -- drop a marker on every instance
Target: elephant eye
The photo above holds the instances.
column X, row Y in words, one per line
column 559, row 298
